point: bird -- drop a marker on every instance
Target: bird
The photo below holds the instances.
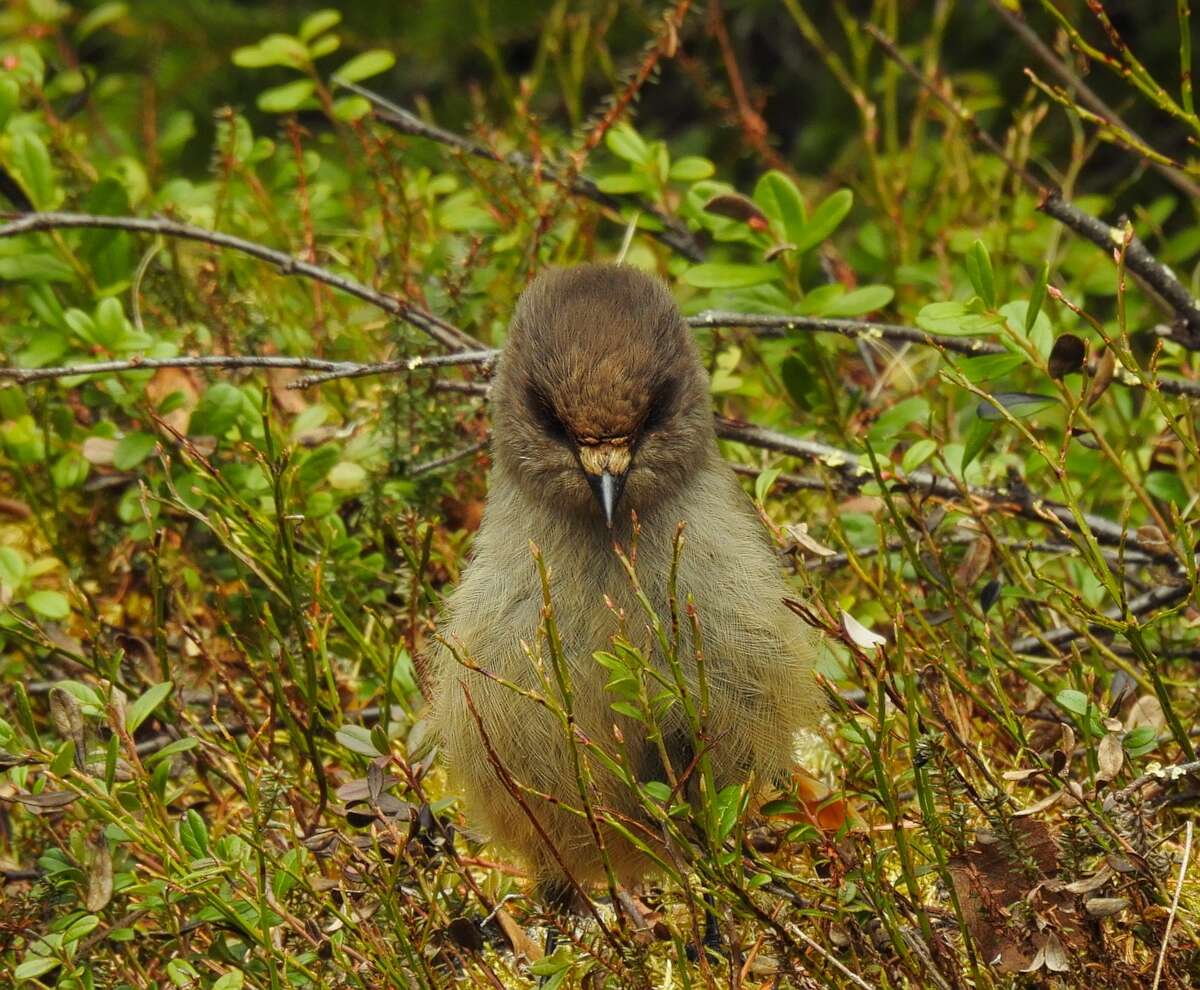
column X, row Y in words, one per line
column 602, row 422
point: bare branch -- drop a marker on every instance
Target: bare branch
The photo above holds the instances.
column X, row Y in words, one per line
column 855, row 472
column 481, row 357
column 1151, row 601
column 437, row 328
column 1138, row 258
column 781, row 325
column 674, row 233
column 1087, row 96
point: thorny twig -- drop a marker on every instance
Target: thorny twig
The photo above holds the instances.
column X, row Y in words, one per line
column 674, row 233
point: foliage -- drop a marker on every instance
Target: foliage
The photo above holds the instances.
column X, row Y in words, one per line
column 217, row 588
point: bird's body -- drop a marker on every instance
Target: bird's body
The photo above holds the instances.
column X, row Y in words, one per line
column 606, row 351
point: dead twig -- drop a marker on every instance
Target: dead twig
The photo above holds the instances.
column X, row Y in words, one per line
column 674, row 234
column 437, row 328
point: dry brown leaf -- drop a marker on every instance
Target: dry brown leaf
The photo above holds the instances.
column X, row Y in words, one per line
column 974, row 563
column 99, row 873
column 1146, row 711
column 290, row 400
column 1109, row 757
column 522, row 944
column 168, row 381
column 1105, row 366
column 99, row 451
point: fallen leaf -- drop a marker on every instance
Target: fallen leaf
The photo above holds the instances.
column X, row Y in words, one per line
column 1109, row 757
column 522, row 944
column 859, row 634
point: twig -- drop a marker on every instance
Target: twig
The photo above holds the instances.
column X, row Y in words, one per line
column 674, row 233
column 441, row 462
column 855, row 473
column 437, row 328
column 23, row 376
column 772, row 325
column 1138, row 258
column 480, row 357
column 1087, row 96
column 1187, row 853
column 781, row 325
column 1160, row 597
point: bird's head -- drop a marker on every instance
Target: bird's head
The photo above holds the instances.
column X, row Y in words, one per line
column 600, row 401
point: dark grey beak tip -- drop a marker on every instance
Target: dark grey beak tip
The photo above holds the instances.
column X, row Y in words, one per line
column 607, row 489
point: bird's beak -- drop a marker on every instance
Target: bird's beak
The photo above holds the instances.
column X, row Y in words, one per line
column 606, row 465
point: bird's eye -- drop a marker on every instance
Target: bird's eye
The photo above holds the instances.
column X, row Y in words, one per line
column 544, row 415
column 661, row 407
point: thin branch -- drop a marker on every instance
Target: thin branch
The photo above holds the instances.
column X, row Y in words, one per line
column 483, row 358
column 1161, row 597
column 23, row 376
column 437, row 328
column 1138, row 258
column 855, row 472
column 1187, row 853
column 440, row 462
column 782, row 325
column 1087, row 96
column 772, row 325
column 674, row 233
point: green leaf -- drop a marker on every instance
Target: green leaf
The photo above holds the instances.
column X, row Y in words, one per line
column 778, row 197
column 691, row 168
column 36, row 266
column 825, row 220
column 99, row 17
column 977, row 437
column 218, row 410
column 347, row 476
column 622, row 183
column 49, row 604
column 144, row 707
column 764, row 482
column 658, row 790
column 31, row 161
column 1167, row 486
column 893, row 420
column 799, row 381
column 193, row 833
column 34, row 967
column 624, row 142
column 275, row 49
column 367, row 64
column 10, row 100
column 722, row 276
column 133, row 449
column 989, row 366
column 1018, row 405
column 979, row 269
column 70, row 470
column 918, row 454
column 12, row 568
column 286, row 98
column 1037, row 296
column 859, row 302
column 357, row 739
column 350, row 108
column 953, row 319
column 1073, row 701
column 233, row 980
column 318, row 22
